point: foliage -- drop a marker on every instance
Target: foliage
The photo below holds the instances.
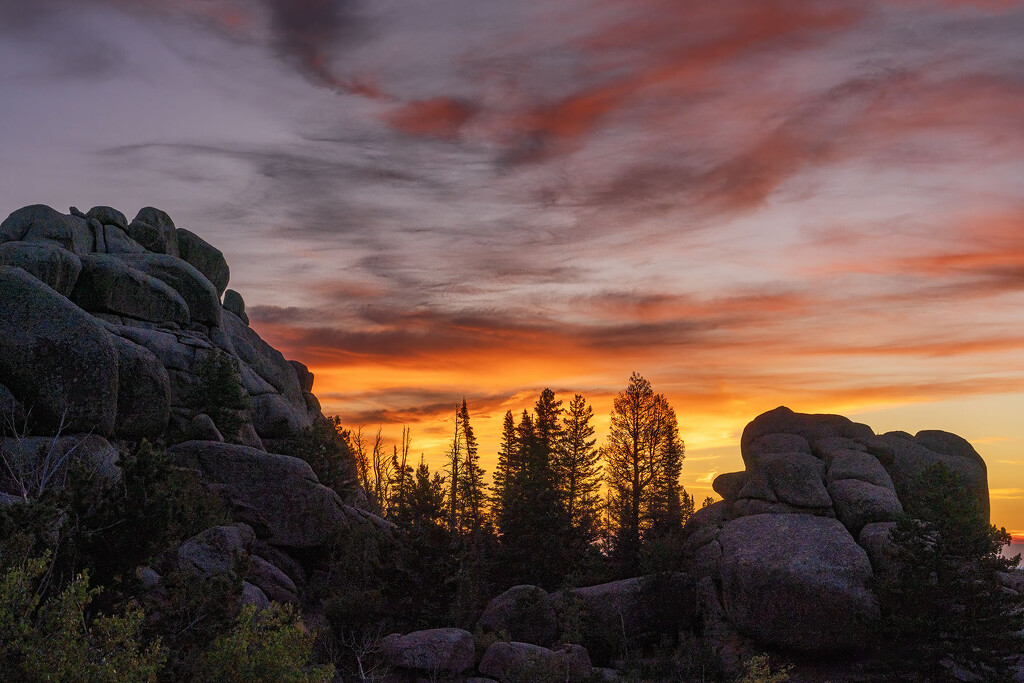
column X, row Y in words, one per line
column 757, row 669
column 578, row 473
column 945, row 606
column 56, row 640
column 269, row 646
column 472, row 489
column 534, row 526
column 153, row 507
column 643, row 458
column 221, row 393
column 110, row 528
column 188, row 614
column 328, row 449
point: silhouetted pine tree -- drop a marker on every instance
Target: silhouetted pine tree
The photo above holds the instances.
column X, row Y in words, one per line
column 402, row 479
column 643, row 458
column 472, row 487
column 508, row 453
column 533, row 525
column 668, row 501
column 454, row 474
column 578, row 472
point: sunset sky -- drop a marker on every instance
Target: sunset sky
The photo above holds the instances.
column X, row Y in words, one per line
column 815, row 203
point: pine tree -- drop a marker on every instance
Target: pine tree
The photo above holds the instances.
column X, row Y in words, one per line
column 454, row 467
column 578, row 471
column 643, row 462
column 472, row 487
column 667, row 513
column 533, row 525
column 426, row 498
column 402, row 479
column 507, row 466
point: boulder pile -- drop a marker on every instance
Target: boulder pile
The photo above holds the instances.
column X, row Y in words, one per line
column 114, row 331
column 793, row 546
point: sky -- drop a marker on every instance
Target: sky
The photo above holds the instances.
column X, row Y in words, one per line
column 811, row 203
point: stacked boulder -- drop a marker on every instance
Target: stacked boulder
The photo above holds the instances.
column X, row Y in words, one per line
column 108, row 329
column 106, row 324
column 793, row 546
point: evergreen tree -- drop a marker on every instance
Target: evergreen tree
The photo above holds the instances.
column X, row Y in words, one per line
column 667, row 510
column 472, row 487
column 426, row 498
column 454, row 473
column 221, row 394
column 508, row 452
column 944, row 607
column 578, row 471
column 643, row 458
column 533, row 525
column 402, row 479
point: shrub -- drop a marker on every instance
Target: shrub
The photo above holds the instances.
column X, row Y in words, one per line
column 268, row 646
column 55, row 640
column 221, row 393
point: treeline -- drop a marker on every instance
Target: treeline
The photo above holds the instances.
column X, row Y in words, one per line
column 558, row 509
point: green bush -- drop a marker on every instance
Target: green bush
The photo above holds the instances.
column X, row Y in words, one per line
column 221, row 394
column 270, row 646
column 56, row 640
column 757, row 669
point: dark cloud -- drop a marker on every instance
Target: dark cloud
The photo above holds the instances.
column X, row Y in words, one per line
column 415, row 405
column 310, row 34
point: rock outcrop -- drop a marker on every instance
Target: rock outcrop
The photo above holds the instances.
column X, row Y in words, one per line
column 105, row 326
column 800, row 533
column 112, row 332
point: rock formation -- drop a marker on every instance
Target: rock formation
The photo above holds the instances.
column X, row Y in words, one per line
column 799, row 534
column 112, row 332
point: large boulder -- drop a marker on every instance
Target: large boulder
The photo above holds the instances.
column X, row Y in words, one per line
column 522, row 613
column 782, row 420
column 198, row 292
column 107, row 215
column 269, row 578
column 436, row 651
column 234, row 302
column 640, row 607
column 143, row 392
column 42, row 224
column 277, row 495
column 797, row 581
column 303, row 374
column 215, row 550
column 108, row 284
column 514, row 662
column 58, row 360
column 729, row 485
column 876, row 539
column 154, row 230
column 166, row 346
column 858, row 503
column 796, row 479
column 117, row 241
column 265, row 360
column 906, row 459
column 206, row 258
column 274, row 417
column 54, row 265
